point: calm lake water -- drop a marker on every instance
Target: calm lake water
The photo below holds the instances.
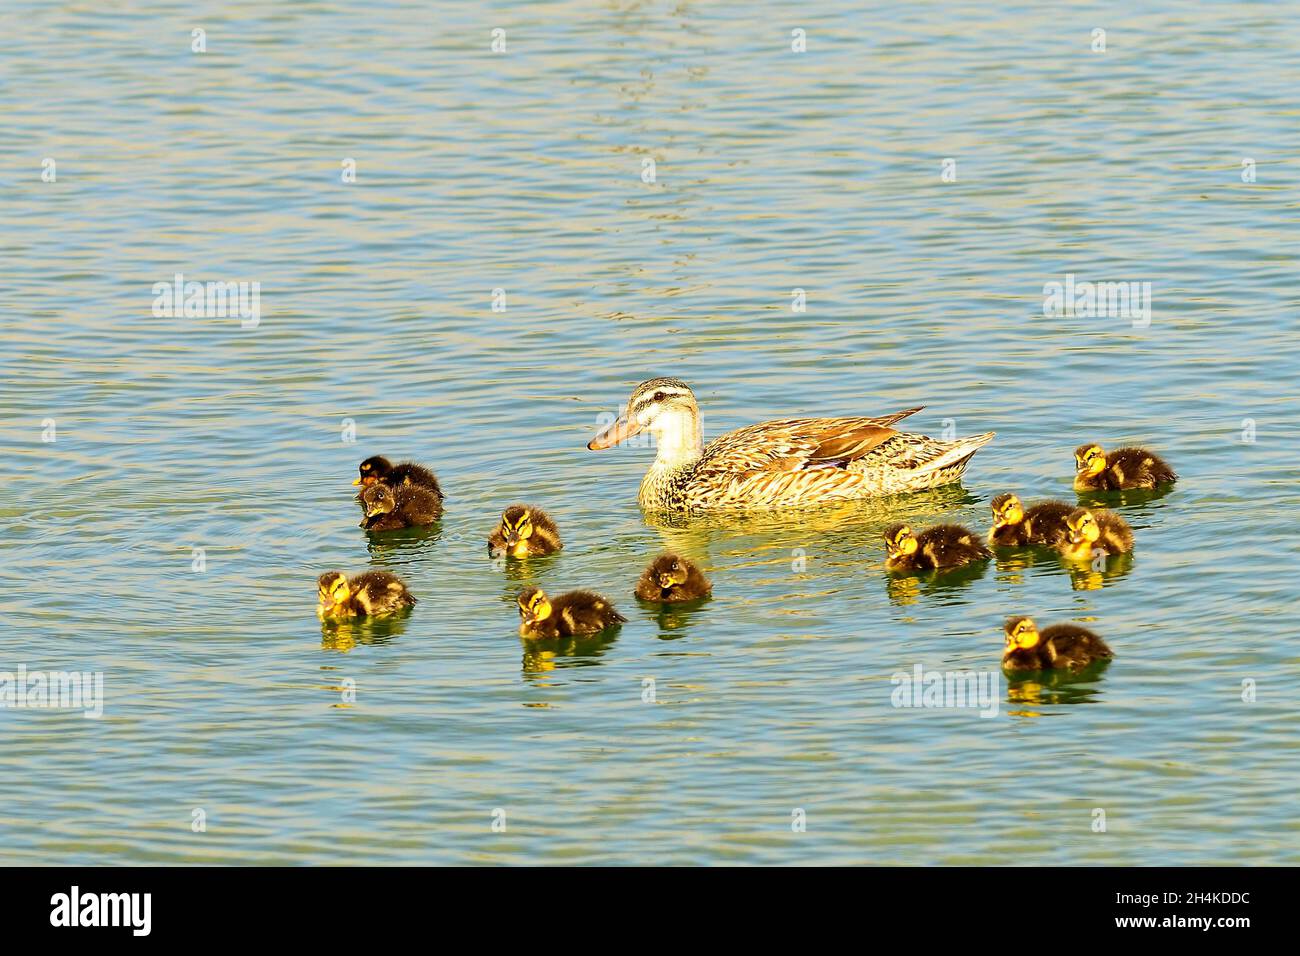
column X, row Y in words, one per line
column 522, row 171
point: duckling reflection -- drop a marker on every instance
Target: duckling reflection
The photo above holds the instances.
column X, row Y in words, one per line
column 342, row 635
column 544, row 655
column 904, row 589
column 399, row 546
column 517, row 573
column 1126, row 498
column 672, row 619
column 1049, row 688
column 1102, row 570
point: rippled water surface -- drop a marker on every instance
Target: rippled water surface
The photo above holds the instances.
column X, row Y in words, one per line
column 522, row 171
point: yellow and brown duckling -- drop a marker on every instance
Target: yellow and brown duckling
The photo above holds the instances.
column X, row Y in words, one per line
column 1015, row 526
column 670, row 579
column 566, row 615
column 372, row 594
column 1055, row 647
column 1091, row 528
column 1121, row 469
column 942, row 546
column 387, row 507
column 524, row 531
column 378, row 468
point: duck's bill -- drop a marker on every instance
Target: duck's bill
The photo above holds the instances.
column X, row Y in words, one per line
column 616, row 432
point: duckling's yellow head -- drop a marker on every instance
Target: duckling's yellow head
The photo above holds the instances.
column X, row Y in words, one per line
column 1007, row 509
column 1089, row 460
column 516, row 525
column 332, row 590
column 375, row 468
column 377, row 499
column 669, row 570
column 899, row 541
column 1083, row 526
column 1021, row 633
column 533, row 605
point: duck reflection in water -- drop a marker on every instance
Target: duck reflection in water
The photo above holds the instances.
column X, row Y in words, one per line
column 345, row 634
column 544, row 655
column 391, row 548
column 1103, row 569
column 1050, row 688
column 905, row 589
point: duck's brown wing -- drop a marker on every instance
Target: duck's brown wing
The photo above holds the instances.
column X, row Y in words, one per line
column 797, row 444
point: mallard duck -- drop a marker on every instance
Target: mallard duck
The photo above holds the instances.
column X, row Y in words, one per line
column 942, row 546
column 1091, row 528
column 372, row 594
column 775, row 464
column 378, row 468
column 670, row 578
column 524, row 531
column 388, row 508
column 576, row 612
column 1013, row 526
column 1056, row 647
column 1123, row 468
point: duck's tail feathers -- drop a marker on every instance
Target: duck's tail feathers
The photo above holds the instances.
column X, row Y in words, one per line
column 888, row 420
column 958, row 453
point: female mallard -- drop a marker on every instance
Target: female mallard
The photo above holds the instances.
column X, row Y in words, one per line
column 934, row 549
column 1014, row 526
column 1119, row 470
column 372, row 594
column 804, row 461
column 1057, row 647
column 670, row 579
column 566, row 615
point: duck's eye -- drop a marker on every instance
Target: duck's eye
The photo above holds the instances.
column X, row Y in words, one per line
column 659, row 396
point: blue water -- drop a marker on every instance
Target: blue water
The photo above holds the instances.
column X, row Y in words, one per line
column 225, row 701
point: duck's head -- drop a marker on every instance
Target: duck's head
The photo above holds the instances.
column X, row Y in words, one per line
column 332, row 590
column 1083, row 527
column 668, row 570
column 900, row 542
column 377, row 499
column 1007, row 509
column 1089, row 460
column 1021, row 632
column 534, row 606
column 516, row 525
column 663, row 406
column 375, row 468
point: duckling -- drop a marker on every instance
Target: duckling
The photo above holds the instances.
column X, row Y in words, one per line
column 1013, row 526
column 378, row 468
column 1090, row 528
column 1056, row 647
column 942, row 546
column 524, row 531
column 372, row 594
column 671, row 578
column 576, row 612
column 405, row 506
column 1096, row 470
